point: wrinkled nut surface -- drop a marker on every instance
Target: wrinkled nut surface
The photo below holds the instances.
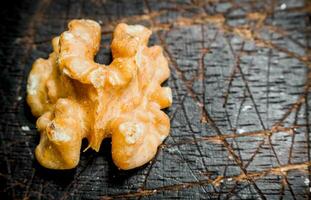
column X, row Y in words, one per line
column 75, row 97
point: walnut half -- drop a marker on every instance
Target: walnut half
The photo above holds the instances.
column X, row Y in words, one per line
column 75, row 97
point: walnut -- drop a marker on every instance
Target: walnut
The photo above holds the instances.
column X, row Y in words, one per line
column 75, row 97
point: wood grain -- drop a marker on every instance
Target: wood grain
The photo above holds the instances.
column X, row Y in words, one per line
column 240, row 121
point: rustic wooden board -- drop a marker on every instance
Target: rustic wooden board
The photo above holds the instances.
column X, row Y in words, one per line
column 240, row 122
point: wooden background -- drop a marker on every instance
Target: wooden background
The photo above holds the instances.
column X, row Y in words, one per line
column 240, row 121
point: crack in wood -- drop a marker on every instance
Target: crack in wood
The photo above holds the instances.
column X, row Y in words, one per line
column 217, row 181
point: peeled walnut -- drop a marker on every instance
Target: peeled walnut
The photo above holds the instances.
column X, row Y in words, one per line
column 75, row 97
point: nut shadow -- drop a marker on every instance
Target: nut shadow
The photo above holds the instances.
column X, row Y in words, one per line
column 116, row 176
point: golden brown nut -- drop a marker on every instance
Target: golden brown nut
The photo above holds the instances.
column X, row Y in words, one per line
column 78, row 98
column 46, row 84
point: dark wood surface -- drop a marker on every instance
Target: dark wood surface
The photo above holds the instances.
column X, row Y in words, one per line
column 240, row 121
